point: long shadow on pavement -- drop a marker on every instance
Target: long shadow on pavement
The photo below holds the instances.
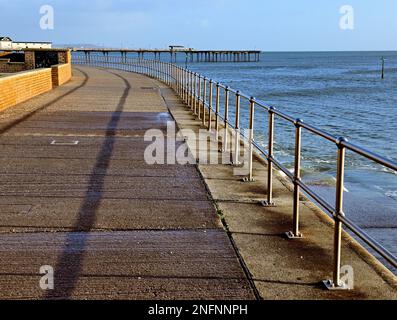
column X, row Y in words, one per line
column 69, row 265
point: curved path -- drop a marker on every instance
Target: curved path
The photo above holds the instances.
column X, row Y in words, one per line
column 77, row 195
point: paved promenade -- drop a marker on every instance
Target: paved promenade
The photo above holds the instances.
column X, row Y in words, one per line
column 76, row 194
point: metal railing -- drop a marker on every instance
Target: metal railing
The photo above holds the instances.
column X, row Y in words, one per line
column 197, row 92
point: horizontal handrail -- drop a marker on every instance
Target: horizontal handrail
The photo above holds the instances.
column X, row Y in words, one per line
column 198, row 92
column 370, row 155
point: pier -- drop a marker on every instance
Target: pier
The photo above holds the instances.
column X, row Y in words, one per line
column 190, row 55
column 77, row 195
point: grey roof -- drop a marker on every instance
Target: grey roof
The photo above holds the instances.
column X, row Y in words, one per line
column 48, row 42
column 9, row 39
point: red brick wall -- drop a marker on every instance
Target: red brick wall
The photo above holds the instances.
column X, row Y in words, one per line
column 64, row 57
column 20, row 87
column 30, row 60
column 11, row 67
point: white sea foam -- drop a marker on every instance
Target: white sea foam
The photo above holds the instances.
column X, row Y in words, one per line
column 392, row 194
column 344, row 188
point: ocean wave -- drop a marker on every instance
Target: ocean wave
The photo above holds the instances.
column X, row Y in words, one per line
column 369, row 71
column 391, row 194
column 319, row 91
column 387, row 170
column 326, row 181
column 371, row 167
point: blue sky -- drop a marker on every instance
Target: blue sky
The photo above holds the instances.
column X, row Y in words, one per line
column 270, row 25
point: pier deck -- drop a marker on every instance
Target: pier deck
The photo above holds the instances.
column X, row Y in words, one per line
column 189, row 54
column 114, row 227
column 76, row 194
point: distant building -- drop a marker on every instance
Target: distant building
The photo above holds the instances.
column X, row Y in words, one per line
column 6, row 43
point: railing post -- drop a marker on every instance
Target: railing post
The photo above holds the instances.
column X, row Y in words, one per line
column 194, row 92
column 177, row 79
column 189, row 88
column 184, row 85
column 198, row 88
column 171, row 69
column 225, row 133
column 269, row 200
column 336, row 284
column 187, row 85
column 199, row 97
column 250, row 177
column 294, row 234
column 150, row 68
column 167, row 74
column 217, row 110
column 173, row 75
column 155, row 71
column 204, row 98
column 210, row 98
column 236, row 160
column 174, row 80
column 170, row 74
column 179, row 70
column 140, row 66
